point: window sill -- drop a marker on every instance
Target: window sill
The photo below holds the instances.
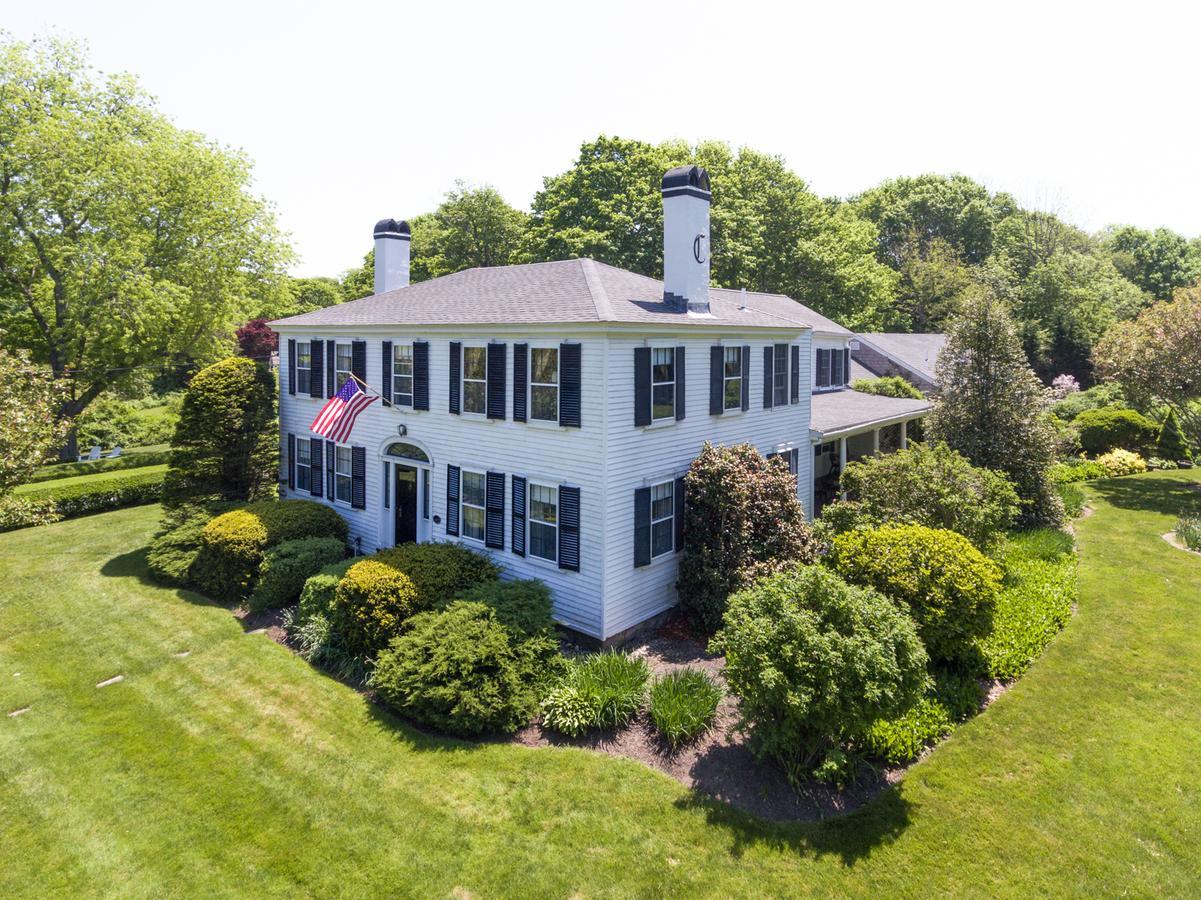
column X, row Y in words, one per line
column 546, row 424
column 659, row 423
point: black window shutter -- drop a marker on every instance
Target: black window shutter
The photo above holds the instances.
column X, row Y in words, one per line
column 497, row 366
column 291, row 365
column 569, row 528
column 331, row 489
column 679, row 514
column 642, row 386
column 358, row 477
column 717, row 366
column 358, row 360
column 456, row 384
column 768, row 357
column 518, row 500
column 385, row 359
column 421, row 375
column 795, row 384
column 452, row 500
column 292, row 462
column 331, row 371
column 570, row 376
column 642, row 527
column 384, row 480
column 746, row 377
column 317, row 467
column 846, row 366
column 521, row 379
column 317, row 369
column 494, row 511
column 680, row 392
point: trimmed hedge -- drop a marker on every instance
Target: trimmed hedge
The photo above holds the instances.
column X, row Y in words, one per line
column 1102, row 430
column 287, row 566
column 461, row 671
column 129, row 459
column 949, row 587
column 232, row 545
column 52, row 503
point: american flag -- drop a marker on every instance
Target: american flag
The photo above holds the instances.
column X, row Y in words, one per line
column 336, row 419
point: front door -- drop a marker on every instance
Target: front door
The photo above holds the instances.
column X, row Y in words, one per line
column 406, row 504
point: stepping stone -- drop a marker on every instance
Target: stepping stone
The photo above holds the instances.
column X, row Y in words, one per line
column 17, row 712
column 113, row 680
column 182, row 653
column 258, row 631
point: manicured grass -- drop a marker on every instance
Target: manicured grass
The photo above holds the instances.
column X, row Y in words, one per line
column 240, row 770
column 96, row 478
column 132, row 458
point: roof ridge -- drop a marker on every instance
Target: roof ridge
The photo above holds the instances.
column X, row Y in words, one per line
column 600, row 298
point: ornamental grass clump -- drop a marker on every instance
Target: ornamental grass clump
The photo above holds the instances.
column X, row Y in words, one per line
column 683, row 704
column 815, row 661
column 603, row 690
column 1188, row 529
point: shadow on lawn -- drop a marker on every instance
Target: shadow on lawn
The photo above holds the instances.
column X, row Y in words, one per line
column 133, row 565
column 1170, row 496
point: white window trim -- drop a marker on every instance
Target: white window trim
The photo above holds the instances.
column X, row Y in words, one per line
column 671, row 417
column 308, row 466
column 348, row 474
column 779, row 373
column 531, row 384
column 671, row 482
column 463, row 505
column 396, row 345
column 338, row 381
column 463, row 380
column 300, row 368
column 725, row 379
column 529, row 520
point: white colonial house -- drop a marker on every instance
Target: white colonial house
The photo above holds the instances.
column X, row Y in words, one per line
column 547, row 413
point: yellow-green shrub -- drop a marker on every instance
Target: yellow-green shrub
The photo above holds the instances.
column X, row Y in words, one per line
column 1122, row 462
column 371, row 602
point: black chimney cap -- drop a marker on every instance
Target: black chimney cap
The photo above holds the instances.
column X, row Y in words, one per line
column 686, row 177
column 392, row 228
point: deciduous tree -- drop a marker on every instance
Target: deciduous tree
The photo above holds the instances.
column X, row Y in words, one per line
column 29, row 430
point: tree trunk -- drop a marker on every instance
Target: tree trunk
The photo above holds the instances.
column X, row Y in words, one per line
column 69, row 452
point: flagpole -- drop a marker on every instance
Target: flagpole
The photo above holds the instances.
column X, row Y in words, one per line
column 367, row 388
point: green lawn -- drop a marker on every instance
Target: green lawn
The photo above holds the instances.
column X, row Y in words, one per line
column 238, row 769
column 91, row 478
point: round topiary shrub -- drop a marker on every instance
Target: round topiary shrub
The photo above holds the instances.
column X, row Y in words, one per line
column 815, row 660
column 461, row 671
column 287, row 566
column 371, row 603
column 232, row 545
column 1109, row 428
column 317, row 595
column 948, row 586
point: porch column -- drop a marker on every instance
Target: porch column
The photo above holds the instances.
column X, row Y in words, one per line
column 904, row 434
column 876, row 440
column 842, row 461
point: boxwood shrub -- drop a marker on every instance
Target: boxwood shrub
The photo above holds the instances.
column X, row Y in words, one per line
column 816, row 660
column 79, row 498
column 317, row 595
column 135, row 458
column 288, row 565
column 463, row 672
column 1102, row 430
column 371, row 603
column 175, row 548
column 439, row 571
column 232, row 544
column 947, row 585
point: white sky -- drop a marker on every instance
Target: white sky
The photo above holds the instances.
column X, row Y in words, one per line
column 356, row 111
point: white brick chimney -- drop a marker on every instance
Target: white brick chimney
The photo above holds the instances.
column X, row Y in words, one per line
column 686, row 199
column 391, row 255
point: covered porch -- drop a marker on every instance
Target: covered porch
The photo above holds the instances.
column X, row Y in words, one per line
column 847, row 425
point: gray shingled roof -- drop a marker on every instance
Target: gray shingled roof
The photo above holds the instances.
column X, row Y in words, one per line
column 574, row 290
column 918, row 352
column 835, row 412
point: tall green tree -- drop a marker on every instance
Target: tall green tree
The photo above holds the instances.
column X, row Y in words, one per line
column 931, row 280
column 124, row 241
column 30, row 430
column 1158, row 261
column 991, row 408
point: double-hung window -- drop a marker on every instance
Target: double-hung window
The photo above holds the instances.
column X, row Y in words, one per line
column 544, row 521
column 473, row 504
column 663, row 511
column 663, row 383
column 823, row 367
column 342, row 365
column 837, row 375
column 779, row 374
column 304, row 367
column 342, row 479
column 732, row 378
column 475, row 381
column 544, row 384
column 303, row 464
column 402, row 374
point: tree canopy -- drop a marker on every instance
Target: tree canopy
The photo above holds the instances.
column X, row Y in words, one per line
column 124, row 241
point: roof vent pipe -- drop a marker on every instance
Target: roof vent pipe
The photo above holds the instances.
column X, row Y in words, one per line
column 392, row 241
column 686, row 199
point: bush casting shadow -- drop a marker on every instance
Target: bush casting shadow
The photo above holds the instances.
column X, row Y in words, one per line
column 133, row 565
column 1149, row 494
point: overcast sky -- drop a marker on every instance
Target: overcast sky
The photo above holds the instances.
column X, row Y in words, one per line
column 356, row 111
